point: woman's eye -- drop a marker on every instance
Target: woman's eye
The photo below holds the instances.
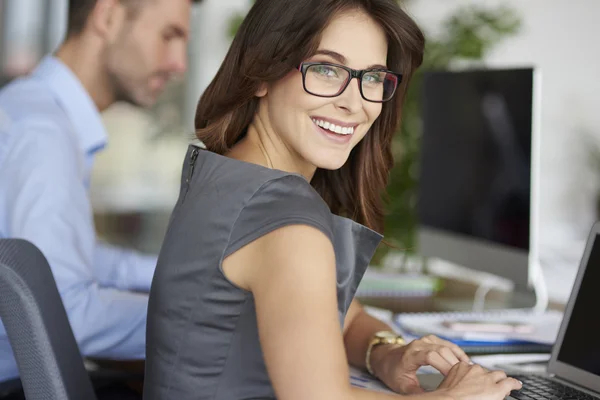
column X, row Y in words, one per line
column 373, row 77
column 327, row 71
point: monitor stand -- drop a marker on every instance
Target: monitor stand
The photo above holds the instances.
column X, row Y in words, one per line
column 522, row 298
column 491, row 292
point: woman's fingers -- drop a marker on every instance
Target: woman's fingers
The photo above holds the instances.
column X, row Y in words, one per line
column 507, row 385
column 448, row 355
column 458, row 352
column 436, row 360
column 497, row 376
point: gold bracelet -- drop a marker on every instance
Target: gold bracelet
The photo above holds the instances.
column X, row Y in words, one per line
column 381, row 337
column 368, row 360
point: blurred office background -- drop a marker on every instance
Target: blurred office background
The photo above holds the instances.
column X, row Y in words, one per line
column 137, row 178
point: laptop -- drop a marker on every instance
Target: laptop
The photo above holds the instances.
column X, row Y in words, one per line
column 574, row 368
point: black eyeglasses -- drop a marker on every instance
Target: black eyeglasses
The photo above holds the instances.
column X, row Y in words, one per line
column 325, row 79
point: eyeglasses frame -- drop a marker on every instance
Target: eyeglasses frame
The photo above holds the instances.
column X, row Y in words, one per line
column 353, row 73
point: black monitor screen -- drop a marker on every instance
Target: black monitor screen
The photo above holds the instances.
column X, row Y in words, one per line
column 476, row 154
column 580, row 346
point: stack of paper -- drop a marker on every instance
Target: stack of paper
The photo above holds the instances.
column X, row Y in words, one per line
column 497, row 326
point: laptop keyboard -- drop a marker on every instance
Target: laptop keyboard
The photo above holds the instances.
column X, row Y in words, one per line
column 540, row 388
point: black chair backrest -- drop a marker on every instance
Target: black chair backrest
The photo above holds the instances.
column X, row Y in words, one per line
column 33, row 314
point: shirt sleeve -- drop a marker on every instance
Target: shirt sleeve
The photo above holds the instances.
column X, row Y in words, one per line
column 46, row 203
column 288, row 200
column 123, row 268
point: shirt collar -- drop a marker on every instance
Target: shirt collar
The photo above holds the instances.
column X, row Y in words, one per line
column 76, row 102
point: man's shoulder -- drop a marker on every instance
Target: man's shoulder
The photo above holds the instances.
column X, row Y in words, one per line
column 33, row 127
column 29, row 99
column 29, row 112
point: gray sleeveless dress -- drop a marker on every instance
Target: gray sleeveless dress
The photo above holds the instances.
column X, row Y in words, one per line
column 202, row 336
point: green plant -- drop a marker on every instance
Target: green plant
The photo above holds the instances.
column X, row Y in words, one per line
column 236, row 21
column 467, row 35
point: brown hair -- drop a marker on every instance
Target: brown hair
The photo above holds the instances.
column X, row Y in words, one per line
column 276, row 36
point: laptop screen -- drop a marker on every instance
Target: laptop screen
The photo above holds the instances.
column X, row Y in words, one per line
column 581, row 342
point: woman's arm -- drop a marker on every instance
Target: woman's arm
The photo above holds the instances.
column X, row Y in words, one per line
column 291, row 274
column 359, row 328
column 396, row 365
column 364, row 394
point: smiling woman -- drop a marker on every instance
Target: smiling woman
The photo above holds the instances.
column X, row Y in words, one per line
column 253, row 292
column 269, row 57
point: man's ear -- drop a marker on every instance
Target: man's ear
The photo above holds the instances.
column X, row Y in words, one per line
column 262, row 90
column 107, row 18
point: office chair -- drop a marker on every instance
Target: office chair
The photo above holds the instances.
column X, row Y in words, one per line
column 50, row 364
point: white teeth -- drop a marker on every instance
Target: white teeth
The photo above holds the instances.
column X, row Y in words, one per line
column 334, row 128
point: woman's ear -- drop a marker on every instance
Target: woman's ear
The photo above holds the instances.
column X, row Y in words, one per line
column 262, row 90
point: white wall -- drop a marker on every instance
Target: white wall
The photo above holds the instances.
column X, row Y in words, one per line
column 211, row 27
column 562, row 39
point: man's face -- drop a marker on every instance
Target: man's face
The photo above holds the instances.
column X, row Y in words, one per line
column 149, row 50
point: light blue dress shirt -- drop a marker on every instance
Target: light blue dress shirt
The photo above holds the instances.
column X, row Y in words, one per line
column 50, row 130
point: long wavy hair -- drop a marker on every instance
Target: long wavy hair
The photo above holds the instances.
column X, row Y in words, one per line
column 275, row 37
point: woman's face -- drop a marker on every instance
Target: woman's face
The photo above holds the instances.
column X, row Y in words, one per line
column 317, row 131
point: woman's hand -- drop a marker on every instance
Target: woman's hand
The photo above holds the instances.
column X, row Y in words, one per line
column 473, row 382
column 397, row 366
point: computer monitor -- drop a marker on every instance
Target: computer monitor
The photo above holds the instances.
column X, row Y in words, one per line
column 477, row 185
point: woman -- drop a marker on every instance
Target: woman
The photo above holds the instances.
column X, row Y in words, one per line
column 253, row 293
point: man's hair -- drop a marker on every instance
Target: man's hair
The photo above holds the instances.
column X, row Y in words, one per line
column 80, row 10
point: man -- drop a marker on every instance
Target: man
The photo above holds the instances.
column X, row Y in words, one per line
column 50, row 131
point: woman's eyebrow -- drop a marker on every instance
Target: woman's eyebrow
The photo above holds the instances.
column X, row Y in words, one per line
column 342, row 60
